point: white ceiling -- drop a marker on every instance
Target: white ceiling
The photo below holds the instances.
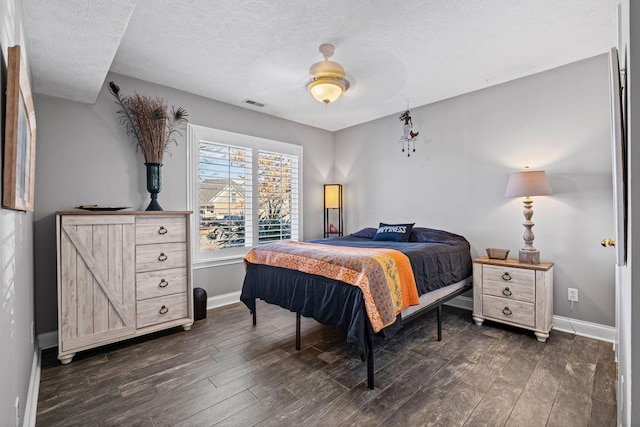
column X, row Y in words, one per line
column 394, row 51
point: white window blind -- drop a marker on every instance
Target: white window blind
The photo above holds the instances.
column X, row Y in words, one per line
column 246, row 190
column 277, row 196
column 225, row 196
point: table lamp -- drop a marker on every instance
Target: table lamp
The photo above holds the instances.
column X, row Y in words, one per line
column 526, row 184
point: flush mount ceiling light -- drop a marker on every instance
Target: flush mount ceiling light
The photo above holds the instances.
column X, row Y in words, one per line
column 327, row 77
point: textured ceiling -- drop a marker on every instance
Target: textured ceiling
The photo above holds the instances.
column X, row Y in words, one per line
column 394, row 52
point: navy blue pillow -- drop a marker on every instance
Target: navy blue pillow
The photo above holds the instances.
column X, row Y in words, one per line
column 394, row 232
column 431, row 235
column 367, row 233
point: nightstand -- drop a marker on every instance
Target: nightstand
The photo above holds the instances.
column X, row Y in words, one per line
column 514, row 293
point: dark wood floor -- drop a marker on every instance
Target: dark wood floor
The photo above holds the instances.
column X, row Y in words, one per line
column 227, row 372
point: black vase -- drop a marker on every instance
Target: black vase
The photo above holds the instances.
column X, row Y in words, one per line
column 154, row 184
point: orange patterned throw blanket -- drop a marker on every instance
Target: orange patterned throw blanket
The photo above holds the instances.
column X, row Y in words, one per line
column 384, row 275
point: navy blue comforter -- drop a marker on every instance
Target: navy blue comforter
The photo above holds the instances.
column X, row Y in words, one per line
column 335, row 303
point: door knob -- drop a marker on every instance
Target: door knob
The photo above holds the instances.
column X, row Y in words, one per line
column 608, row 242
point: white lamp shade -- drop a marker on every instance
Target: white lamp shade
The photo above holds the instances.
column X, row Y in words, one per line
column 528, row 183
column 333, row 196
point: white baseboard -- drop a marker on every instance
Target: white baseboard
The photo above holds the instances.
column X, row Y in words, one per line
column 463, row 302
column 48, row 340
column 222, row 300
column 584, row 329
column 31, row 405
column 560, row 323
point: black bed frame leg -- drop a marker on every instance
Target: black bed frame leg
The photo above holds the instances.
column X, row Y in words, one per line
column 370, row 374
column 297, row 331
column 439, row 314
column 254, row 312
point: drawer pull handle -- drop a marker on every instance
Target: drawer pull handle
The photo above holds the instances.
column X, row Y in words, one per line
column 506, row 276
column 507, row 312
column 163, row 283
column 507, row 292
column 162, row 257
column 163, row 310
column 162, row 230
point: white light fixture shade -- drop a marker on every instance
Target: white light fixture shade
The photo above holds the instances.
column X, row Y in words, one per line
column 326, row 90
column 528, row 183
column 327, row 78
column 333, row 196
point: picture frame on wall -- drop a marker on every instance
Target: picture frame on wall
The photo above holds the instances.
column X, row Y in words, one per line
column 20, row 137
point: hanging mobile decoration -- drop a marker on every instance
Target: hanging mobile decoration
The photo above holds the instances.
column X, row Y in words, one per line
column 408, row 135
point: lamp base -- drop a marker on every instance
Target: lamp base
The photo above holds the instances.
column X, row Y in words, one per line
column 529, row 257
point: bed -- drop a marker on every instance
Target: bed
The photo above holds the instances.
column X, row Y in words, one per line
column 439, row 263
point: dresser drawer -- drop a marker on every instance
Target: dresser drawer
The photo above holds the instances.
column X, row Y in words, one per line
column 160, row 229
column 160, row 257
column 519, row 276
column 503, row 309
column 162, row 309
column 159, row 283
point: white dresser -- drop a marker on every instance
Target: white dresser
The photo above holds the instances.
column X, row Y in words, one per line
column 514, row 293
column 121, row 275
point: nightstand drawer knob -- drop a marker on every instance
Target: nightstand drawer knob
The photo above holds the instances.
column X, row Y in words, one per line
column 507, row 312
column 507, row 292
column 162, row 257
column 162, row 230
column 163, row 310
column 163, row 283
column 506, row 276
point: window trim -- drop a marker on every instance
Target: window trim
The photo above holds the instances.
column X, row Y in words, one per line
column 194, row 134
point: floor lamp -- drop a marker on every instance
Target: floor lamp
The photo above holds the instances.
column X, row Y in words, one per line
column 333, row 202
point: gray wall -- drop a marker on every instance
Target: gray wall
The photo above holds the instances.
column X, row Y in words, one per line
column 16, row 275
column 557, row 121
column 85, row 157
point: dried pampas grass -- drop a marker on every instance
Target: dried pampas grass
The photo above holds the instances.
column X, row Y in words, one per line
column 150, row 122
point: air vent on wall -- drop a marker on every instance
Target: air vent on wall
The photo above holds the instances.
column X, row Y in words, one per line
column 254, row 103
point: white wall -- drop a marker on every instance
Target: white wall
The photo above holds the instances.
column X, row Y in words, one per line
column 16, row 275
column 557, row 121
column 85, row 157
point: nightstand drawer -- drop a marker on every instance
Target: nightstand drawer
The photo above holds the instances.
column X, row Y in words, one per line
column 512, row 291
column 160, row 229
column 503, row 309
column 509, row 275
column 160, row 257
column 163, row 309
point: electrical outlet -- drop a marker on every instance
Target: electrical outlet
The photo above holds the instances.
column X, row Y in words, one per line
column 572, row 294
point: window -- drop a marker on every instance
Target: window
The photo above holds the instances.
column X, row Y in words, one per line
column 246, row 190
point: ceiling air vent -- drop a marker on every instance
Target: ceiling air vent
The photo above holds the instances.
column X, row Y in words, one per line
column 254, row 103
